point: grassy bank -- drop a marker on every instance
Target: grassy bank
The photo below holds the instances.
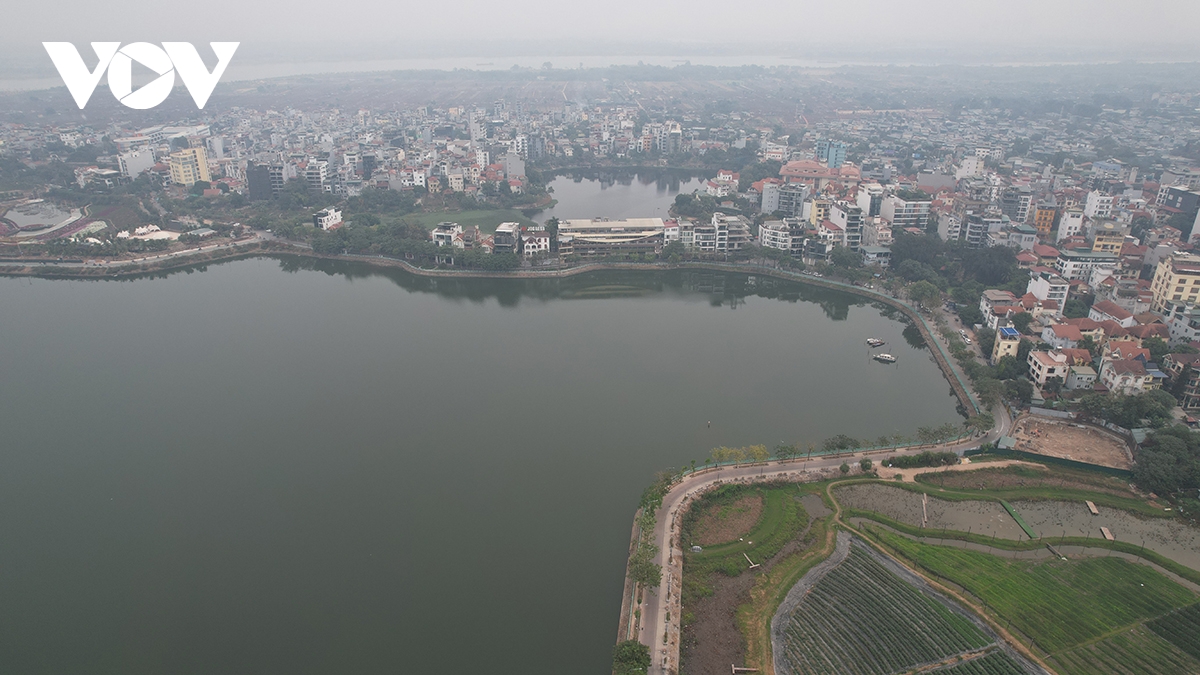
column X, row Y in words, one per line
column 484, row 219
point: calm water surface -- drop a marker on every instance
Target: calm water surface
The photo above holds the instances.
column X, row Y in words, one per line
column 295, row 467
column 623, row 195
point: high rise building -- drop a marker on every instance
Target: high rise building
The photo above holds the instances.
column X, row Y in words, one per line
column 833, row 153
column 258, row 181
column 870, row 199
column 849, row 218
column 134, row 162
column 189, row 166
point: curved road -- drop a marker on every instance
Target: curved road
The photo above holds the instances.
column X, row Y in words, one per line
column 661, row 607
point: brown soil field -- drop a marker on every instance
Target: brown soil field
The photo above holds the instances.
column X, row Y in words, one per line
column 986, row 518
column 726, row 522
column 1026, row 475
column 711, row 640
column 1067, row 440
column 1171, row 537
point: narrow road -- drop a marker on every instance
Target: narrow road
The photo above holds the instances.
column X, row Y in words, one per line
column 661, row 607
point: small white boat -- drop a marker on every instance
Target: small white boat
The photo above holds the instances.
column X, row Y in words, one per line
column 875, row 342
column 885, row 358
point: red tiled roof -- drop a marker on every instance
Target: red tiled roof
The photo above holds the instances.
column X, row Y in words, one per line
column 1112, row 309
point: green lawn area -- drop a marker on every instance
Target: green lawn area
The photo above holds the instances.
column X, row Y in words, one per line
column 1060, row 605
column 782, row 518
column 484, row 219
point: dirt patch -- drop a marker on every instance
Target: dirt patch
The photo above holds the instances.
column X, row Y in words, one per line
column 1067, row 440
column 724, row 522
column 1170, row 537
column 912, row 508
column 711, row 639
column 815, row 507
column 1025, row 475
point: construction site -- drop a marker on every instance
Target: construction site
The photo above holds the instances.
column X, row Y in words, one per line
column 1070, row 440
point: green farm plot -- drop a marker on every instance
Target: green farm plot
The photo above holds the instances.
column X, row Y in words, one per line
column 1181, row 629
column 862, row 619
column 1137, row 648
column 1059, row 605
column 994, row 663
column 485, row 219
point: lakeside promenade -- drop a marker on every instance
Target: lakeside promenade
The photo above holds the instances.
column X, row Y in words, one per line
column 661, row 608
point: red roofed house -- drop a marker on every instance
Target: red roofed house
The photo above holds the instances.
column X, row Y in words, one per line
column 1062, row 336
column 1107, row 310
column 1125, row 376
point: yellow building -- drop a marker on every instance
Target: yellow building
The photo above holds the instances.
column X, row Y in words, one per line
column 1043, row 219
column 189, row 166
column 1008, row 343
column 1176, row 281
column 1109, row 237
column 820, row 211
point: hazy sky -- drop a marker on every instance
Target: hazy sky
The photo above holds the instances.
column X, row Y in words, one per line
column 836, row 29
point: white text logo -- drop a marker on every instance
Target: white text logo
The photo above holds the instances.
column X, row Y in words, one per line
column 171, row 58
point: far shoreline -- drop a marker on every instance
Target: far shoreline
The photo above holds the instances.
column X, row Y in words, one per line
column 259, row 248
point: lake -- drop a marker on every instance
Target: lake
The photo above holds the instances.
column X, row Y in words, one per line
column 646, row 194
column 308, row 467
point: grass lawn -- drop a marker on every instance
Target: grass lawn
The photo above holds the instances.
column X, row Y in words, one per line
column 782, row 518
column 1060, row 605
column 485, row 219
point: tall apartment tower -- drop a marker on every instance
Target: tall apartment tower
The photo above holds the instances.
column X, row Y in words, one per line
column 189, row 166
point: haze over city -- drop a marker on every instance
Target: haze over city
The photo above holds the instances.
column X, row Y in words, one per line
column 642, row 338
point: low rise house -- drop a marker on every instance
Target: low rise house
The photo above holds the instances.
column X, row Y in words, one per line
column 1044, row 366
column 534, row 242
column 1062, row 336
column 991, row 298
column 328, row 219
column 1081, row 377
column 1185, row 378
column 445, row 233
column 877, row 255
column 1107, row 310
column 1125, row 376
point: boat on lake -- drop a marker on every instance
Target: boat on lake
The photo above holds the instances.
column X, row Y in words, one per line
column 885, row 358
column 875, row 342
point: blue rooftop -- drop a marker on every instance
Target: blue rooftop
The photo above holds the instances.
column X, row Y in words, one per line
column 1009, row 332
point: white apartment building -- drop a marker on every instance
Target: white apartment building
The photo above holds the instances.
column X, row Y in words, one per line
column 1098, row 205
column 1070, row 224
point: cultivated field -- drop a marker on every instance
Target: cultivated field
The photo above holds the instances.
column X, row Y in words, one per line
column 993, row 663
column 1084, row 614
column 1055, row 438
column 1172, row 538
column 1151, row 654
column 860, row 618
